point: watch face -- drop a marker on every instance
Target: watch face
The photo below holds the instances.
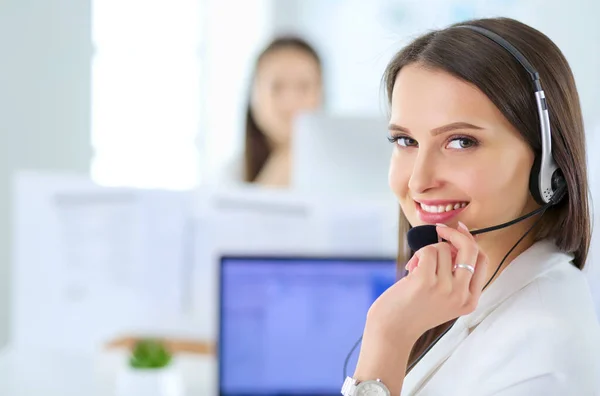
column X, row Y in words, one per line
column 371, row 388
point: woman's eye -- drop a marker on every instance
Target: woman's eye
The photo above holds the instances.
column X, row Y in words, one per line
column 461, row 143
column 406, row 141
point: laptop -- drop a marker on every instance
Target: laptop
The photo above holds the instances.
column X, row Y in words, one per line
column 286, row 324
column 335, row 155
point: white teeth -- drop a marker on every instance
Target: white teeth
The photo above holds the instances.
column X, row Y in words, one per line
column 443, row 208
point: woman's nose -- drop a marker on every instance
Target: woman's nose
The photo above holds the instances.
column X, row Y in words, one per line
column 425, row 173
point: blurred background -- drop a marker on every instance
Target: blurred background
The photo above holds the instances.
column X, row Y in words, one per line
column 123, row 130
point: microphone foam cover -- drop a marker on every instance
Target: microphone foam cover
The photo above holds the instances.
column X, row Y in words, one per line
column 421, row 236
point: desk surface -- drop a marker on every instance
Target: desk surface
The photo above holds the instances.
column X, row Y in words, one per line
column 55, row 373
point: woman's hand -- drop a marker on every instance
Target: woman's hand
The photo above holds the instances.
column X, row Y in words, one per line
column 434, row 291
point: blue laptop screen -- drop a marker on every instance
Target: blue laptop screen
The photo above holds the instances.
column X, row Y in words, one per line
column 286, row 325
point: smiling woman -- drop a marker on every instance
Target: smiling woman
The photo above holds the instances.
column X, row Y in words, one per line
column 453, row 139
column 480, row 128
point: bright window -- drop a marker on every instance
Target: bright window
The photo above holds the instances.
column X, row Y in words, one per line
column 146, row 92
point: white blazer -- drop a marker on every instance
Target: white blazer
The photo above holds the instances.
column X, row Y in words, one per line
column 534, row 332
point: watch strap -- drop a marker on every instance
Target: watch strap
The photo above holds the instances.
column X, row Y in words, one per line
column 349, row 386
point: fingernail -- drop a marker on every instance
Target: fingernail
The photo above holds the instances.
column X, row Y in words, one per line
column 441, row 225
column 464, row 227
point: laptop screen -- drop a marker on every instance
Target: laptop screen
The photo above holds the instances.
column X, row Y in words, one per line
column 287, row 324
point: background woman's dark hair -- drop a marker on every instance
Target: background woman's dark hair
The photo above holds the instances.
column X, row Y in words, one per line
column 256, row 146
column 476, row 59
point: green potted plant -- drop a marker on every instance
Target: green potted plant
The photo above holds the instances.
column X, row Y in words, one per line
column 149, row 354
column 149, row 371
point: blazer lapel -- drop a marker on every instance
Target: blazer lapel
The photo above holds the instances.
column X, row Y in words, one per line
column 532, row 263
column 421, row 373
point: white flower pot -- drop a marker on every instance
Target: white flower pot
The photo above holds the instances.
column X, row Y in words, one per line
column 149, row 382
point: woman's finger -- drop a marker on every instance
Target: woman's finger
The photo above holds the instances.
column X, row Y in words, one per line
column 412, row 263
column 444, row 262
column 463, row 241
column 466, row 257
column 464, row 230
column 427, row 267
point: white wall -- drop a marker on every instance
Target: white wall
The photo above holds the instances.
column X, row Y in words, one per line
column 44, row 101
column 357, row 38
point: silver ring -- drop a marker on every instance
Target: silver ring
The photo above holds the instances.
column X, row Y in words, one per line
column 468, row 267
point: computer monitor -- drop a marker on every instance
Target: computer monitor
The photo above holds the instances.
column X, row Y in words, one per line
column 286, row 324
column 341, row 155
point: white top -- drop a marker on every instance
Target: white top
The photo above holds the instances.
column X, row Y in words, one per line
column 534, row 332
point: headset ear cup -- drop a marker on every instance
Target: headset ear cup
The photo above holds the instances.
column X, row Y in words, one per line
column 534, row 184
column 559, row 185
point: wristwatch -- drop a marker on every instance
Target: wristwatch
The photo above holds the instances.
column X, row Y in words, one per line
column 353, row 387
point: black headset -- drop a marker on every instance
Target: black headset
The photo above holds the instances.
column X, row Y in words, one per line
column 546, row 182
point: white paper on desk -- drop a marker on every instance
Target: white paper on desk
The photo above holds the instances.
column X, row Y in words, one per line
column 98, row 241
column 360, row 227
column 245, row 225
column 57, row 280
column 246, row 221
column 259, row 219
column 93, row 262
column 164, row 279
column 102, row 245
column 136, row 252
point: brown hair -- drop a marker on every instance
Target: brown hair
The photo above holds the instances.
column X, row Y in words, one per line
column 256, row 146
column 478, row 60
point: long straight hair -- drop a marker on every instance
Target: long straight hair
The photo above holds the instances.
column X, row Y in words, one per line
column 474, row 58
column 256, row 146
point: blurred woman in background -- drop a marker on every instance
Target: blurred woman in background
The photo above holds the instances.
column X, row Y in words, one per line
column 287, row 80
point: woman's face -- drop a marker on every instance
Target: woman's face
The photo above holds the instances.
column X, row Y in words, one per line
column 456, row 157
column 287, row 82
